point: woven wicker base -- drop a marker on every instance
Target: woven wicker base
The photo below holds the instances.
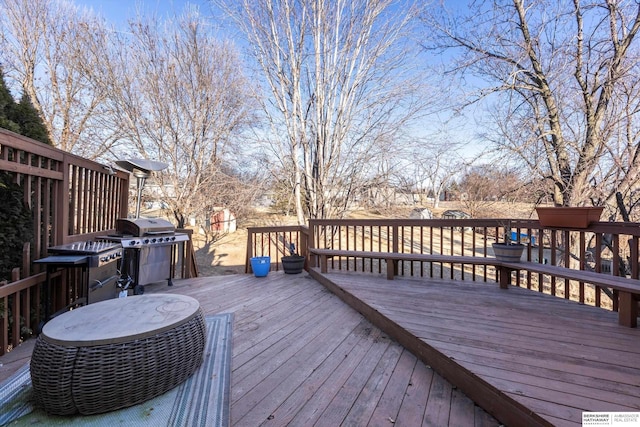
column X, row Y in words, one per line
column 93, row 380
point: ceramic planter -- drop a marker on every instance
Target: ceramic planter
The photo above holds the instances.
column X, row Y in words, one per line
column 508, row 252
column 569, row 217
column 260, row 265
column 292, row 264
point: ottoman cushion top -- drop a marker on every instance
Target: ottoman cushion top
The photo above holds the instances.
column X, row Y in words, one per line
column 120, row 320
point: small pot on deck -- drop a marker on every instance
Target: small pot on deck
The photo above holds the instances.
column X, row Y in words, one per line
column 293, row 264
column 508, row 252
column 260, row 265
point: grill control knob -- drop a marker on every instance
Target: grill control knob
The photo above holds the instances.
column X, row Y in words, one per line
column 153, row 240
column 146, row 241
column 173, row 238
column 131, row 243
column 159, row 239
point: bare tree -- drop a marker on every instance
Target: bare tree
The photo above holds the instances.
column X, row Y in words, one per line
column 478, row 190
column 180, row 98
column 484, row 185
column 434, row 165
column 563, row 78
column 56, row 53
column 340, row 90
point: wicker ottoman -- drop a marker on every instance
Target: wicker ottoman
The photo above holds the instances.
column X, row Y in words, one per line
column 116, row 353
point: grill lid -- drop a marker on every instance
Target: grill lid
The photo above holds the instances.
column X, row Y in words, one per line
column 83, row 248
column 143, row 226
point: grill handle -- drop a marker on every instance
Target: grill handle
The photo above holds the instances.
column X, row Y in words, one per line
column 97, row 284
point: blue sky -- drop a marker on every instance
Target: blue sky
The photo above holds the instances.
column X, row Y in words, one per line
column 118, row 11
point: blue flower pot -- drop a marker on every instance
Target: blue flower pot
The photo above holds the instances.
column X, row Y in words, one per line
column 260, row 265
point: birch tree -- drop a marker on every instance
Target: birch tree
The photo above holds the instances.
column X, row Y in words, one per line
column 339, row 87
column 562, row 79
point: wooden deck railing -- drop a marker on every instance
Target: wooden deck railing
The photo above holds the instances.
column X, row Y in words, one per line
column 606, row 248
column 71, row 199
column 274, row 242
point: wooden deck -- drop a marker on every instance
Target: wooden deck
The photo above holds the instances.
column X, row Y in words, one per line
column 526, row 357
column 302, row 356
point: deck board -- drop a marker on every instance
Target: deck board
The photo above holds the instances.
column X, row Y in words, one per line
column 438, row 405
column 387, row 406
column 413, row 406
column 316, row 391
column 552, row 356
column 302, row 356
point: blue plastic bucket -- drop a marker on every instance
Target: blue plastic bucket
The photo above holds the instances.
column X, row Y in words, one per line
column 260, row 265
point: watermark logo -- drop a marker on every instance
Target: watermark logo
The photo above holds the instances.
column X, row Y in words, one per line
column 626, row 419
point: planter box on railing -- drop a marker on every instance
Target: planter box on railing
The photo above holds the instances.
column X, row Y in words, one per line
column 570, row 217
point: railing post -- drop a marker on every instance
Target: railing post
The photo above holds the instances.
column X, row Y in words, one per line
column 633, row 251
column 615, row 269
column 627, row 310
column 15, row 310
column 247, row 261
column 186, row 252
column 61, row 213
column 306, row 240
column 598, row 267
column 313, row 237
column 504, row 274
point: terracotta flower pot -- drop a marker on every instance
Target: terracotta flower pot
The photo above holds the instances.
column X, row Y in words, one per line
column 570, row 217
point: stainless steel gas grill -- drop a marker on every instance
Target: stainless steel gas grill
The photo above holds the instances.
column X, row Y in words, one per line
column 99, row 253
column 99, row 261
column 148, row 245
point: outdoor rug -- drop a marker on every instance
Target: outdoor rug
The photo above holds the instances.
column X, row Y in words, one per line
column 202, row 400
